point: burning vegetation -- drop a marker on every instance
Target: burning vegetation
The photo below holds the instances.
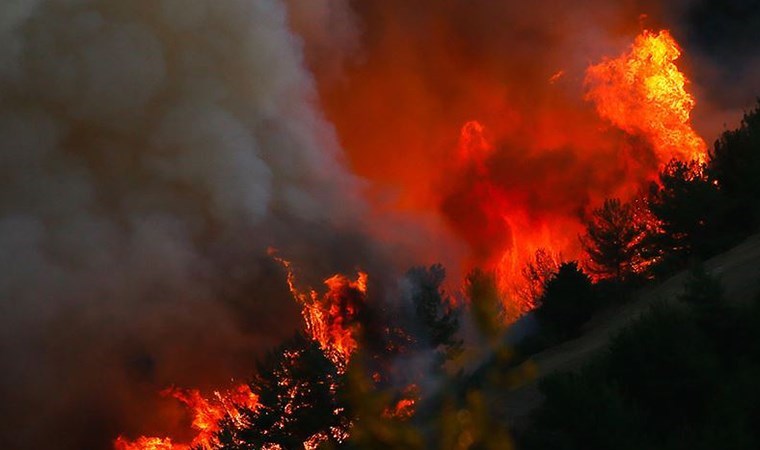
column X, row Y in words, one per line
column 530, row 168
column 519, row 238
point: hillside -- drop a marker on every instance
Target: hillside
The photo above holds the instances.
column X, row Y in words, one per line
column 738, row 269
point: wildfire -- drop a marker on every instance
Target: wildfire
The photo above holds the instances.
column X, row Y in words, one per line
column 517, row 237
column 207, row 417
column 509, row 223
column 331, row 318
column 643, row 92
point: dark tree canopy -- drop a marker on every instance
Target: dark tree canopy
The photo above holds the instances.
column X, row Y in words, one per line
column 689, row 209
column 615, row 240
column 485, row 302
column 681, row 376
column 434, row 310
column 568, row 300
column 735, row 166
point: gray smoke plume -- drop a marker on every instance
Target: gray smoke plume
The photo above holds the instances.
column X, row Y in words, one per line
column 151, row 151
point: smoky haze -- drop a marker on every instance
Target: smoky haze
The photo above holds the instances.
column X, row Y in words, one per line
column 151, row 152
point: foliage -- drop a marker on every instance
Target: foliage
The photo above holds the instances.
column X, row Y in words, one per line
column 615, row 240
column 735, row 166
column 682, row 376
column 297, row 387
column 536, row 273
column 690, row 211
column 434, row 310
column 568, row 301
column 485, row 303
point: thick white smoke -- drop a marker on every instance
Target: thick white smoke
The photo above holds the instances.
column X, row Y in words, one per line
column 151, row 150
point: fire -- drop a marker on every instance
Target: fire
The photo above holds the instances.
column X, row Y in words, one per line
column 513, row 188
column 148, row 443
column 331, row 318
column 404, row 408
column 513, row 235
column 507, row 223
column 643, row 92
column 207, row 417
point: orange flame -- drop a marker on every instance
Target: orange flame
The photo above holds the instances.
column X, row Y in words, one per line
column 207, row 418
column 516, row 235
column 643, row 92
column 331, row 318
column 404, row 408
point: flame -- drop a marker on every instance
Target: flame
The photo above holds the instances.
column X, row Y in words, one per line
column 147, row 443
column 331, row 318
column 207, row 417
column 404, row 408
column 512, row 236
column 643, row 92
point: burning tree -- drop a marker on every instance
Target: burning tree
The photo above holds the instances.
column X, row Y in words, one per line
column 537, row 273
column 615, row 240
column 297, row 386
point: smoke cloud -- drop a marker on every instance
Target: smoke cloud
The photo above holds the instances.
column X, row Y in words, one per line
column 151, row 152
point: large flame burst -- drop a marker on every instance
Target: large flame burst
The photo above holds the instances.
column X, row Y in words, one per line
column 643, row 92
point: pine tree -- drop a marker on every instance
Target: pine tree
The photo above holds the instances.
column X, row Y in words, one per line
column 615, row 240
column 434, row 310
column 298, row 390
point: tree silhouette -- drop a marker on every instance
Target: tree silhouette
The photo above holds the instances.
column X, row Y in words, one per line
column 485, row 303
column 615, row 240
column 689, row 209
column 568, row 300
column 735, row 166
column 434, row 310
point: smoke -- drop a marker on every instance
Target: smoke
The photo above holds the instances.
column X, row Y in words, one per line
column 151, row 152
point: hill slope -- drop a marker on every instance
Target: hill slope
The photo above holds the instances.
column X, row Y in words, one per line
column 739, row 272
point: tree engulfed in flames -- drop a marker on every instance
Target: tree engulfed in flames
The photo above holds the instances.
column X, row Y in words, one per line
column 331, row 319
column 643, row 92
column 207, row 417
